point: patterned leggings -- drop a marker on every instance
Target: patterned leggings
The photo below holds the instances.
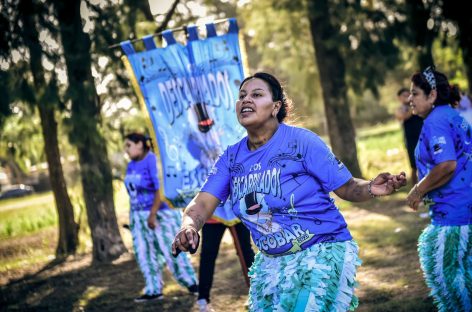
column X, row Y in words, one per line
column 153, row 247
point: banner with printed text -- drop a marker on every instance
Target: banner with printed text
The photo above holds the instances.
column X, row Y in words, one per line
column 190, row 93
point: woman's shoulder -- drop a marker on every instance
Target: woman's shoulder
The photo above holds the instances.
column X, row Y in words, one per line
column 441, row 115
column 150, row 156
column 301, row 132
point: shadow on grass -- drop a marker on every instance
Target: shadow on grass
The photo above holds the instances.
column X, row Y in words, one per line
column 109, row 287
column 75, row 285
column 390, row 276
column 385, row 301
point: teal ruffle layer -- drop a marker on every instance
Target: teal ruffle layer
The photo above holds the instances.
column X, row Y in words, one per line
column 446, row 259
column 320, row 278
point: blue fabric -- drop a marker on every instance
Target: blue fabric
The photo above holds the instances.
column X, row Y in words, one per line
column 281, row 190
column 142, row 182
column 447, row 136
column 190, row 93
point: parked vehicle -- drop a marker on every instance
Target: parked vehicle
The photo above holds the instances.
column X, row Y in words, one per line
column 17, row 190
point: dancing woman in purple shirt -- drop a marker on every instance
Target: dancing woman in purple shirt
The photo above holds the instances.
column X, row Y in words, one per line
column 278, row 179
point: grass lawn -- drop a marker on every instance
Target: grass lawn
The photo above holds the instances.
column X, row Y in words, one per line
column 385, row 229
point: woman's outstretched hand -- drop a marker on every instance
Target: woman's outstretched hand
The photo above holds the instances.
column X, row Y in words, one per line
column 386, row 183
column 186, row 240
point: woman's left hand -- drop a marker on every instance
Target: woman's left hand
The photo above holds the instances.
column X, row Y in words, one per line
column 386, row 183
column 152, row 221
column 414, row 198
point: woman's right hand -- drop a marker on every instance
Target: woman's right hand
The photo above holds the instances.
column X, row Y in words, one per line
column 187, row 239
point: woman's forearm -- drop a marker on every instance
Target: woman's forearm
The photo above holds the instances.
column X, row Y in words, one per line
column 199, row 210
column 194, row 216
column 437, row 177
column 358, row 190
column 355, row 190
column 156, row 204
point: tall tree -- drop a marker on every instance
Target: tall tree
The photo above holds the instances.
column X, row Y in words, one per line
column 21, row 31
column 85, row 134
column 456, row 13
column 418, row 15
column 46, row 99
column 5, row 110
column 332, row 70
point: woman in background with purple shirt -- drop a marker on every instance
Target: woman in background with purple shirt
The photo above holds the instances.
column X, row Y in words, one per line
column 153, row 224
column 444, row 160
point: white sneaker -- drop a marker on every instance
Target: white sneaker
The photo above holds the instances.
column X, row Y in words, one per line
column 204, row 306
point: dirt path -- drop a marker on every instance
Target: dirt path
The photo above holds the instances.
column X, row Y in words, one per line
column 389, row 278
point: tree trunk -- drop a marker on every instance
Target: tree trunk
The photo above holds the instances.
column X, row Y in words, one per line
column 95, row 167
column 68, row 228
column 464, row 22
column 465, row 41
column 332, row 72
column 423, row 37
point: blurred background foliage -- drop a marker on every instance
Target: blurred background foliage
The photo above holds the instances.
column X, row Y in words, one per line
column 375, row 36
column 382, row 43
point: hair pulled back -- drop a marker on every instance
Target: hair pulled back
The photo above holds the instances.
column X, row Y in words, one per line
column 446, row 94
column 139, row 137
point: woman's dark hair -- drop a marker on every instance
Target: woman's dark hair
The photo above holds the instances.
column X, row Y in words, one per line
column 447, row 94
column 278, row 93
column 402, row 90
column 138, row 137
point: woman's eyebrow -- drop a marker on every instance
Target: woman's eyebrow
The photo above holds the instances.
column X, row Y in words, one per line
column 258, row 89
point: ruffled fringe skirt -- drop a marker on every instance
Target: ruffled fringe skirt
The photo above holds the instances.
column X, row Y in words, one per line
column 446, row 259
column 320, row 278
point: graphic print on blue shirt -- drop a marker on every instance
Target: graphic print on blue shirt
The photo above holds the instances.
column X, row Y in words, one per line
column 142, row 182
column 281, row 190
column 446, row 136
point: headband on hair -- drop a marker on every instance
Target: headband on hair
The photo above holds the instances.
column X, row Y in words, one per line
column 428, row 74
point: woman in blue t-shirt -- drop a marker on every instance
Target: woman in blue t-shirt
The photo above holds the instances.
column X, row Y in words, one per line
column 444, row 160
column 278, row 179
column 153, row 224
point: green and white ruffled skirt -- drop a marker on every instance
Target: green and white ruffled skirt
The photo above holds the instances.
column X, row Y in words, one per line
column 320, row 278
column 446, row 259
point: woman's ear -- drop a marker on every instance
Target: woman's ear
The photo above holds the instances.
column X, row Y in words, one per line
column 433, row 95
column 276, row 109
column 277, row 105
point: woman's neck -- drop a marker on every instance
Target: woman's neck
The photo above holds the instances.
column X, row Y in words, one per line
column 259, row 137
column 141, row 156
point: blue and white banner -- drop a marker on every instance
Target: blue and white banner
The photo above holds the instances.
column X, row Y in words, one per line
column 190, row 93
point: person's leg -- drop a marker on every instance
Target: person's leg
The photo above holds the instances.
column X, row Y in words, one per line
column 244, row 238
column 145, row 253
column 211, row 239
column 168, row 225
column 410, row 146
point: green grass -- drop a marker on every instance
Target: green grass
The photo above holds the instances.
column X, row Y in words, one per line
column 381, row 148
column 28, row 215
